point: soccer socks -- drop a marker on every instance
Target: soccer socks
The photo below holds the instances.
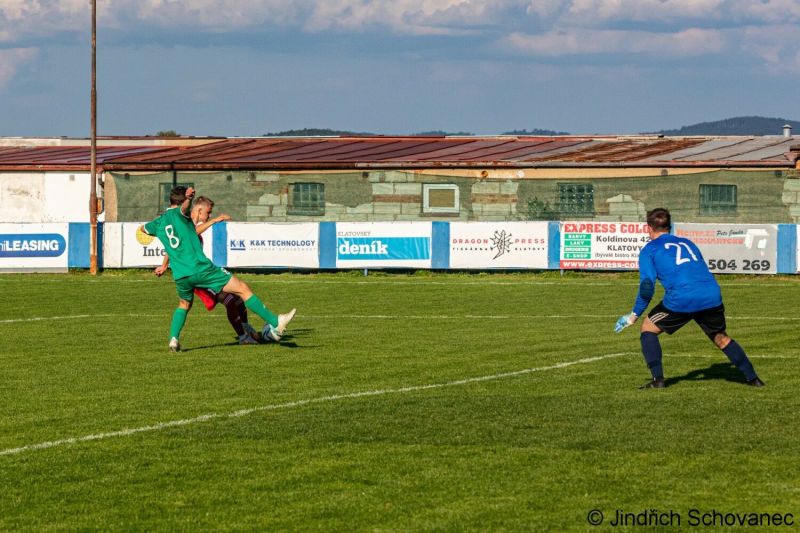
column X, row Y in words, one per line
column 258, row 307
column 231, row 303
column 651, row 349
column 178, row 320
column 737, row 356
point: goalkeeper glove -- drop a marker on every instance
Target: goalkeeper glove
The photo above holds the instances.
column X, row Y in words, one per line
column 624, row 321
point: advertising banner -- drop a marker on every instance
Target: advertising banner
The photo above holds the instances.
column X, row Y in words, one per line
column 383, row 244
column 602, row 245
column 273, row 245
column 498, row 245
column 735, row 248
column 140, row 250
column 34, row 247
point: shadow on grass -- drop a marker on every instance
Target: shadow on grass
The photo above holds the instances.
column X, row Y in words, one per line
column 724, row 371
column 286, row 342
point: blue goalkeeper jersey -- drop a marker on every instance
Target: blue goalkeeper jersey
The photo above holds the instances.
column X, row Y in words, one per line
column 678, row 264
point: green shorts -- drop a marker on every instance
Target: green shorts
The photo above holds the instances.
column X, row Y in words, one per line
column 213, row 277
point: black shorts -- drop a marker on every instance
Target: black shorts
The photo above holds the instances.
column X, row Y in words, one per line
column 711, row 321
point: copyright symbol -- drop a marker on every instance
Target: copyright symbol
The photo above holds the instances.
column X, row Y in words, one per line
column 595, row 517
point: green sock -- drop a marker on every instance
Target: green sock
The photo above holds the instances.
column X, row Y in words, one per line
column 178, row 320
column 258, row 307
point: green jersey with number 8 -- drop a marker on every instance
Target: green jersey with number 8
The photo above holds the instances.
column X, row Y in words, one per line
column 177, row 233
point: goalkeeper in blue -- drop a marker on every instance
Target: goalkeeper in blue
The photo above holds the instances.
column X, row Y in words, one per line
column 690, row 293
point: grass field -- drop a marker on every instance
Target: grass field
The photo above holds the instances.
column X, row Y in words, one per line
column 396, row 402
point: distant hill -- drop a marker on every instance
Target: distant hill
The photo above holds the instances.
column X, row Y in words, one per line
column 535, row 132
column 315, row 132
column 325, row 132
column 737, row 126
column 438, row 133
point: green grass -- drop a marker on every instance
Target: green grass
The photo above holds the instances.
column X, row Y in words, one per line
column 527, row 451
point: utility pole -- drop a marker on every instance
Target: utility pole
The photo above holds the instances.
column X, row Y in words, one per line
column 93, row 171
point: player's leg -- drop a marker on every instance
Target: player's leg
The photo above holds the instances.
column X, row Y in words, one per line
column 231, row 303
column 651, row 350
column 228, row 300
column 254, row 304
column 712, row 322
column 185, row 288
column 178, row 321
column 660, row 319
column 248, row 328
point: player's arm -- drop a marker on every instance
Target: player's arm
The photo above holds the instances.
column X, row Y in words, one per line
column 159, row 270
column 647, row 284
column 150, row 228
column 647, row 287
column 186, row 206
column 208, row 223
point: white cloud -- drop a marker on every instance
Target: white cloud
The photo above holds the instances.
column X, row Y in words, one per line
column 416, row 17
column 759, row 29
column 11, row 59
column 215, row 15
column 686, row 43
column 776, row 46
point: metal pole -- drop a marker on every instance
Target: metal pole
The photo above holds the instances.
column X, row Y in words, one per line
column 93, row 171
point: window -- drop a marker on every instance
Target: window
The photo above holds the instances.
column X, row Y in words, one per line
column 440, row 198
column 718, row 199
column 307, row 199
column 163, row 193
column 576, row 198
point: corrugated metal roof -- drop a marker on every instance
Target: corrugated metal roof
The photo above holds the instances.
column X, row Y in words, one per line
column 420, row 152
column 67, row 157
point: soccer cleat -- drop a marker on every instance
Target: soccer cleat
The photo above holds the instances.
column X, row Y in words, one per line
column 283, row 321
column 174, row 345
column 756, row 382
column 655, row 383
column 247, row 339
column 250, row 330
column 276, row 333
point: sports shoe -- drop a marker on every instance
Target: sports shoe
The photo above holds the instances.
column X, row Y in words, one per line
column 250, row 330
column 276, row 333
column 174, row 345
column 247, row 339
column 755, row 382
column 655, row 383
column 283, row 321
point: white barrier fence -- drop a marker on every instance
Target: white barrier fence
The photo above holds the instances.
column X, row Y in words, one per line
column 569, row 245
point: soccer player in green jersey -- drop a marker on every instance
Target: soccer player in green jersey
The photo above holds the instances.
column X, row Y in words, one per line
column 192, row 269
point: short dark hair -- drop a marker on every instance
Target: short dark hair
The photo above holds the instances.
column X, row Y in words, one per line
column 177, row 195
column 204, row 200
column 659, row 219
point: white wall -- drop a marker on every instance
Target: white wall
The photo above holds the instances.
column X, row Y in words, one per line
column 45, row 197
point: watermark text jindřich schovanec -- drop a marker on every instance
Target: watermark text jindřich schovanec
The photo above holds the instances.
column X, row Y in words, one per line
column 690, row 518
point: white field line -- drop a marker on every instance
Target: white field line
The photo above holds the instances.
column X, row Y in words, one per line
column 299, row 403
column 390, row 317
column 77, row 317
column 426, row 281
column 721, row 356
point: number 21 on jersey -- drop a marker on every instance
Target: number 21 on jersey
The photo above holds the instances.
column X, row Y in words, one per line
column 679, row 259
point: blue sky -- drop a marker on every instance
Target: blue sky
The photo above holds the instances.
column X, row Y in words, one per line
column 247, row 67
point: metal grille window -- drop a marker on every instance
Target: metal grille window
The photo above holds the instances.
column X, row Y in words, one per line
column 718, row 199
column 576, row 198
column 307, row 199
column 163, row 193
